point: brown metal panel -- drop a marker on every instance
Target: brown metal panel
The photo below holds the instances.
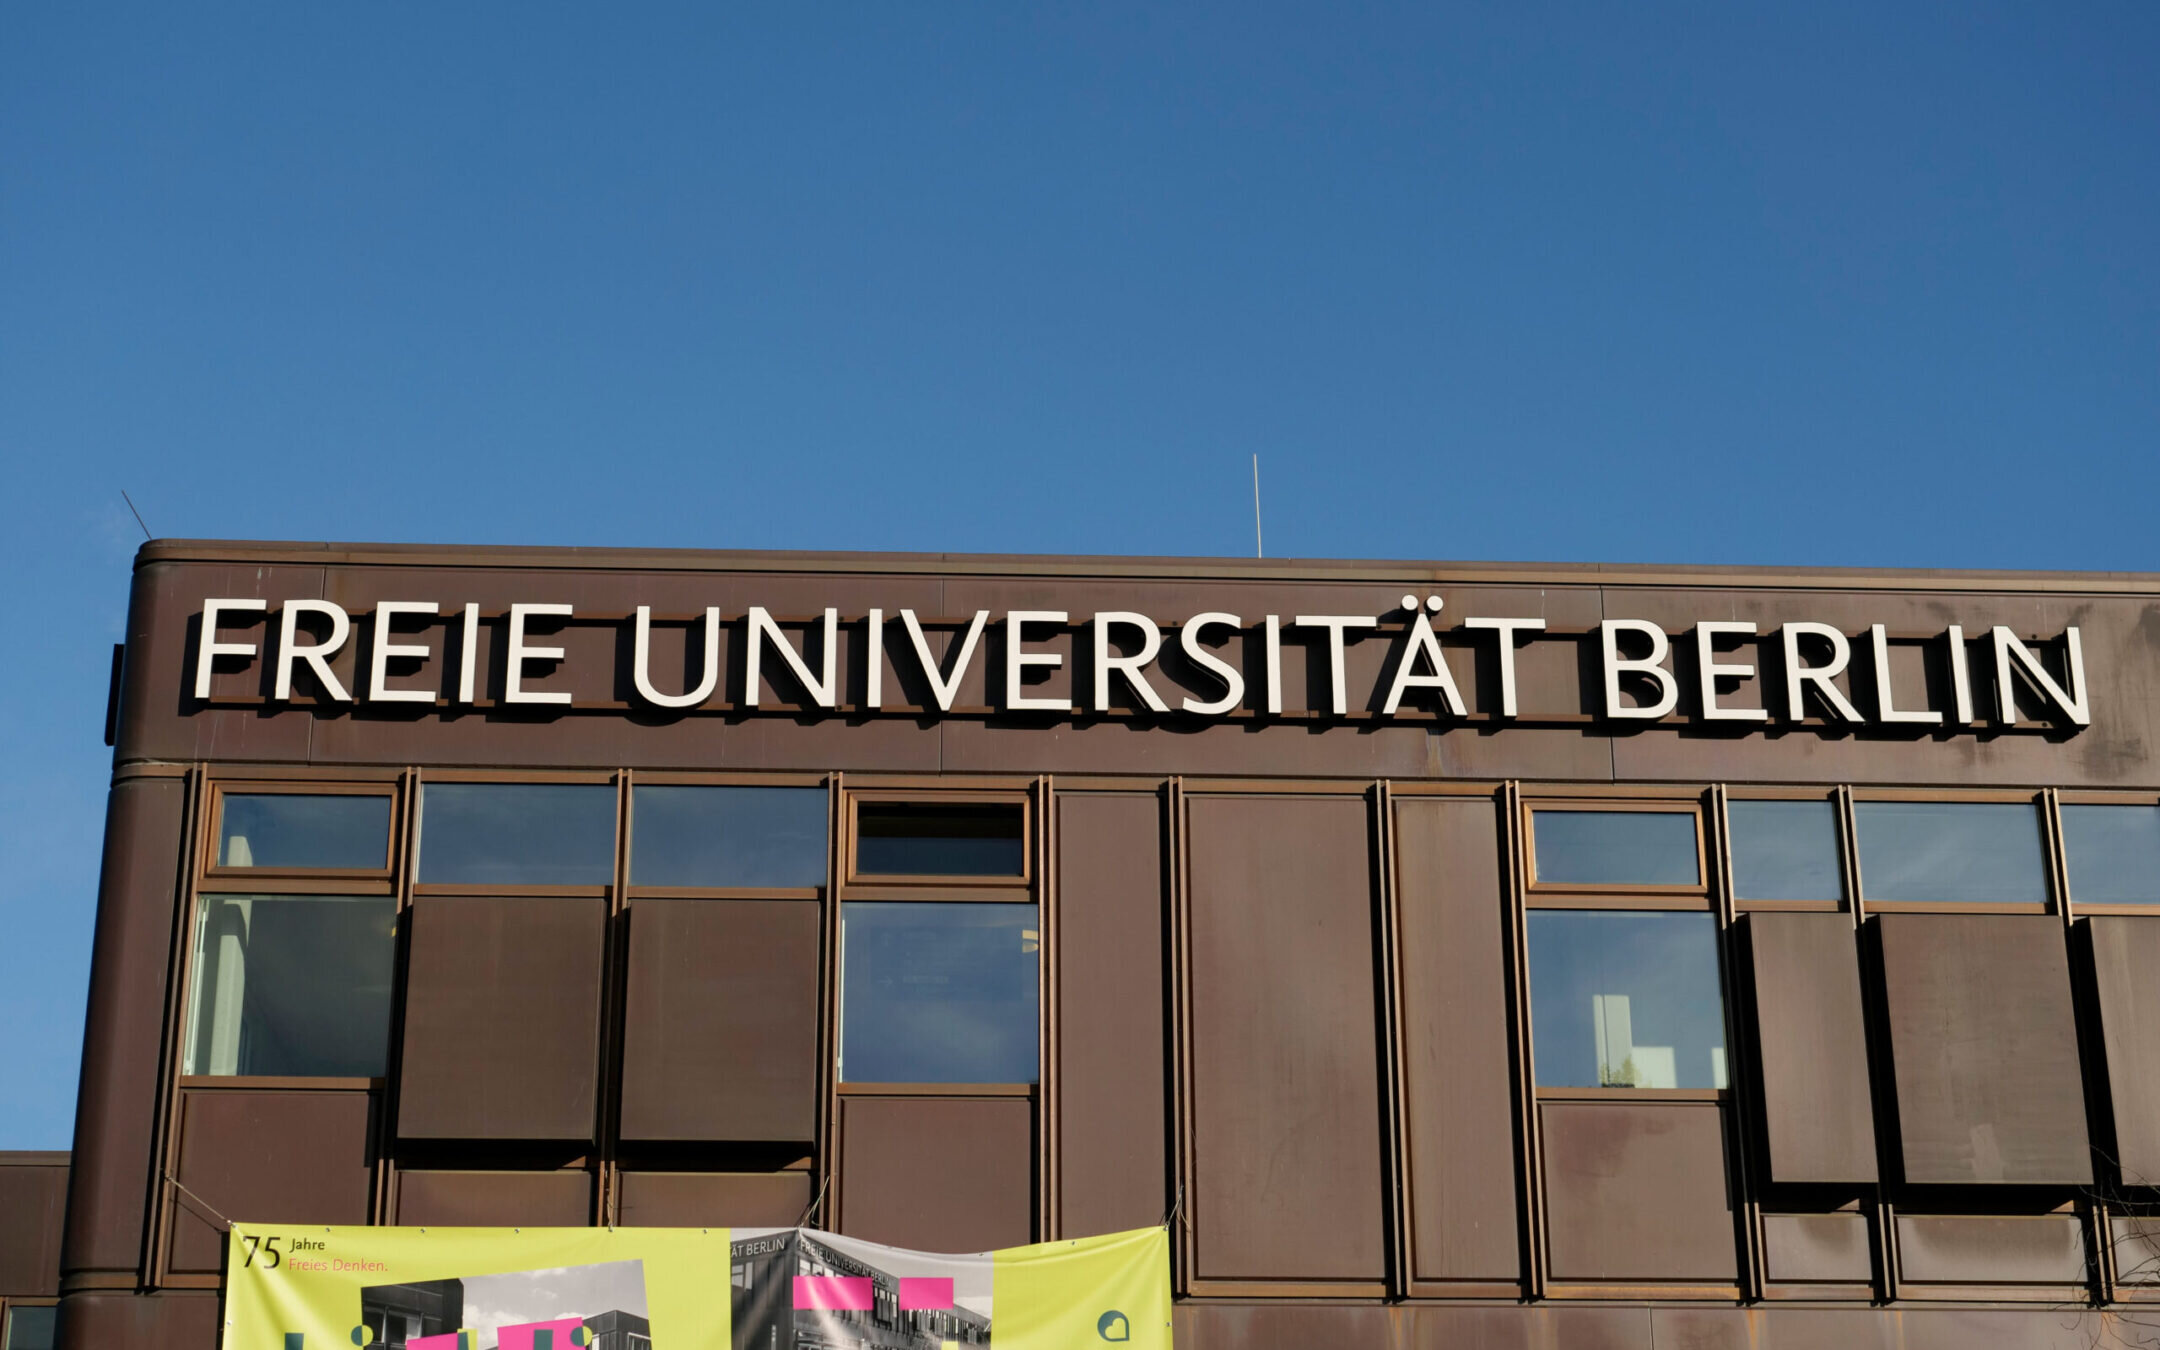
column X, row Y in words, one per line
column 1985, row 1047
column 1637, row 1191
column 1702, row 1329
column 1455, row 1044
column 2070, row 1328
column 502, row 1019
column 1817, row 1248
column 124, row 1029
column 2126, row 966
column 139, row 1322
column 944, row 1174
column 1818, row 1116
column 1261, row 1326
column 1109, row 952
column 495, row 1199
column 1285, row 1060
column 713, row 1199
column 720, row 1029
column 34, row 1199
column 268, row 1157
column 1830, row 1329
column 1969, row 1249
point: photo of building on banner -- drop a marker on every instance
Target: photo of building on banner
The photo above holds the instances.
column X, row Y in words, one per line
column 642, row 1288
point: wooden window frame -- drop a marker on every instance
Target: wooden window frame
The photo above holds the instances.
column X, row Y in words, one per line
column 626, row 845
column 1616, row 895
column 858, row 885
column 2065, row 893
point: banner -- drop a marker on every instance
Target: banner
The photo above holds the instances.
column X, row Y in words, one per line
column 295, row 1288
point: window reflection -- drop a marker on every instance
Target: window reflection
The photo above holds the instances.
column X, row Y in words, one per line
column 940, row 839
column 727, row 836
column 534, row 834
column 1616, row 848
column 30, row 1328
column 2113, row 853
column 1623, row 999
column 938, row 993
column 1951, row 852
column 292, row 986
column 1784, row 850
column 293, row 829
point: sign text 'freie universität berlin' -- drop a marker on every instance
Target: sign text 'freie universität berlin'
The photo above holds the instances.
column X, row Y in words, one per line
column 1985, row 670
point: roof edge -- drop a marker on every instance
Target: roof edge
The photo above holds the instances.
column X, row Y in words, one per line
column 1117, row 567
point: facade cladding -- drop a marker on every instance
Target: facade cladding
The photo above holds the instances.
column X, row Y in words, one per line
column 1456, row 955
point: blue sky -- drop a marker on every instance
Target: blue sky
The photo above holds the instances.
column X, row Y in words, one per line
column 1848, row 284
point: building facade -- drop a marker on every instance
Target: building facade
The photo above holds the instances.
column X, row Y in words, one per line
column 1450, row 954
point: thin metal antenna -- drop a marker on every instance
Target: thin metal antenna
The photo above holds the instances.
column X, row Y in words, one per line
column 1256, row 550
column 146, row 529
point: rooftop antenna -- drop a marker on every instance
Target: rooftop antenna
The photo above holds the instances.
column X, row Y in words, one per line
column 1256, row 550
column 146, row 529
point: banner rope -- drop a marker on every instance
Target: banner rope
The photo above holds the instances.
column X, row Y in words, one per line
column 197, row 1199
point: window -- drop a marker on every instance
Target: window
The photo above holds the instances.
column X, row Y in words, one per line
column 30, row 1328
column 1785, row 850
column 288, row 830
column 2113, row 853
column 292, row 986
column 727, row 836
column 940, row 839
column 1951, row 852
column 1615, row 848
column 1626, row 1000
column 518, row 834
column 938, row 992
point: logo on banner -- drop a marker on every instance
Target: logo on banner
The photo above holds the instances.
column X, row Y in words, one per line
column 1112, row 1326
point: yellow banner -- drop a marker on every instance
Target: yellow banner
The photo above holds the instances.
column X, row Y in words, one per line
column 295, row 1288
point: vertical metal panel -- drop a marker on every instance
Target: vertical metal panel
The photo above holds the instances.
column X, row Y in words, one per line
column 1971, row 1249
column 123, row 1034
column 1461, row 1133
column 502, row 1019
column 495, row 1199
column 1818, row 1116
column 34, row 1199
column 1113, row 1143
column 1984, row 1042
column 1817, row 1248
column 713, row 1199
column 721, row 1026
column 1286, row 1097
column 2126, row 968
column 942, row 1174
column 1636, row 1190
column 267, row 1157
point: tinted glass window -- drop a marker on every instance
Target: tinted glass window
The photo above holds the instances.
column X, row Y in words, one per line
column 1784, row 851
column 2113, row 853
column 1958, row 852
column 1616, row 848
column 937, row 993
column 281, row 829
column 537, row 834
column 939, row 839
column 30, row 1328
column 292, row 986
column 1626, row 1000
column 727, row 836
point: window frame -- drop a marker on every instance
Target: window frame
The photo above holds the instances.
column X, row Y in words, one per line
column 614, row 779
column 1846, row 842
column 2044, row 820
column 858, row 885
column 2067, row 893
column 1630, row 895
column 627, row 842
column 216, row 876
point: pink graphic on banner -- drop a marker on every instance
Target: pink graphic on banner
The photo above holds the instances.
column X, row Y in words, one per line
column 829, row 1293
column 924, row 1293
column 527, row 1335
column 447, row 1341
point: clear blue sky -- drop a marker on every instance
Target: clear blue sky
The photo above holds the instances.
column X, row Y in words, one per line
column 1849, row 284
